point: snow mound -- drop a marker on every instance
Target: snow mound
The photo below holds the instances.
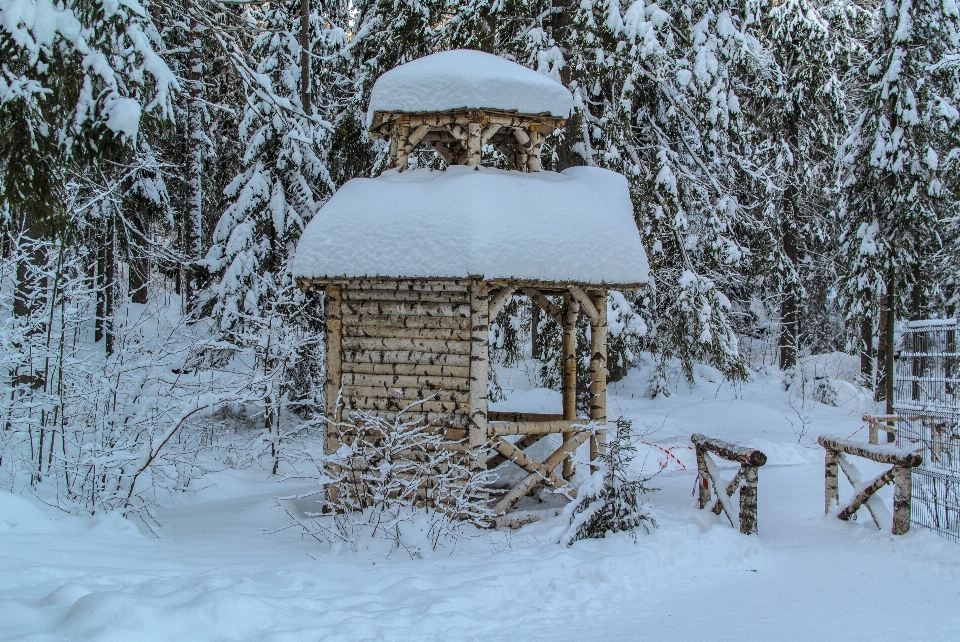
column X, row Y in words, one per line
column 20, row 515
column 576, row 226
column 468, row 79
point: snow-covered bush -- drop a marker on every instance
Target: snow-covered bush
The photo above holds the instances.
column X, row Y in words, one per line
column 398, row 479
column 815, row 378
column 610, row 501
column 89, row 426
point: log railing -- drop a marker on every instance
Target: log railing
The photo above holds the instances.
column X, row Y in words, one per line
column 903, row 461
column 882, row 423
column 746, row 480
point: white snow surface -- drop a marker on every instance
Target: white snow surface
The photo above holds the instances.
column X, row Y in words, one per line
column 573, row 226
column 219, row 568
column 463, row 78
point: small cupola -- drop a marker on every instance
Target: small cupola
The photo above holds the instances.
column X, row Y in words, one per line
column 456, row 102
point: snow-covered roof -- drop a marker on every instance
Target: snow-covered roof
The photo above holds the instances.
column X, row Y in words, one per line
column 463, row 78
column 576, row 226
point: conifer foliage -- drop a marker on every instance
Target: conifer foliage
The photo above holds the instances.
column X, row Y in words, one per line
column 612, row 500
column 902, row 155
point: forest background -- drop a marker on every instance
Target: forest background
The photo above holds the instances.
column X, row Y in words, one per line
column 794, row 167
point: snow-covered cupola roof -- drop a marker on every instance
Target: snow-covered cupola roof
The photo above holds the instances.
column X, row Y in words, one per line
column 526, row 226
column 457, row 102
column 466, row 79
column 575, row 226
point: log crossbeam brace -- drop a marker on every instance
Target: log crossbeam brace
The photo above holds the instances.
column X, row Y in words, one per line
column 900, row 474
column 538, row 472
column 746, row 479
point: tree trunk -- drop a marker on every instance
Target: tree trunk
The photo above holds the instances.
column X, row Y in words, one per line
column 29, row 294
column 110, row 265
column 535, row 347
column 866, row 351
column 101, row 285
column 192, row 234
column 305, row 55
column 918, row 305
column 884, row 388
column 139, row 276
column 790, row 301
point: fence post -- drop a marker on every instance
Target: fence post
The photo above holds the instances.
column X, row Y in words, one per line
column 831, row 471
column 702, row 478
column 748, row 500
column 901, row 499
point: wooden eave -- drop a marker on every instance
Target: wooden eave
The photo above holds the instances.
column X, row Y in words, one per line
column 547, row 287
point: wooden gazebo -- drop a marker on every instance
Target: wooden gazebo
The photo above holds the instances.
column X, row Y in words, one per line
column 415, row 264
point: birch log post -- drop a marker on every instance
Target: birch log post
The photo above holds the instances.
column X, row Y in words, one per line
column 703, row 477
column 569, row 387
column 746, row 479
column 334, row 358
column 598, row 374
column 332, row 381
column 748, row 500
column 474, row 143
column 523, row 148
column 479, row 366
column 533, row 155
column 403, row 134
column 831, row 481
column 902, row 477
column 900, row 474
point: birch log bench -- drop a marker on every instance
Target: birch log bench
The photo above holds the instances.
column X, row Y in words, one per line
column 417, row 263
column 746, row 480
column 903, row 461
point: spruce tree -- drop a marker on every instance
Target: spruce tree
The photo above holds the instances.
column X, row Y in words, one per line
column 803, row 120
column 899, row 165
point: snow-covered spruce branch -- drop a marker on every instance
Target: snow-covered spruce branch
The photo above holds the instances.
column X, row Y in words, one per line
column 610, row 501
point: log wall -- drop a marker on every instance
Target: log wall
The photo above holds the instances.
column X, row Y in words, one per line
column 394, row 342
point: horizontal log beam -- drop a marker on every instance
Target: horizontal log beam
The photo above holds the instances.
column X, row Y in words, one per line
column 551, row 287
column 502, row 415
column 407, row 308
column 530, row 427
column 382, row 122
column 881, row 454
column 396, row 405
column 413, row 285
column 729, row 451
column 406, row 321
column 405, row 356
column 412, row 345
column 402, row 296
column 385, row 332
column 405, row 381
column 404, row 394
column 444, row 421
column 410, row 369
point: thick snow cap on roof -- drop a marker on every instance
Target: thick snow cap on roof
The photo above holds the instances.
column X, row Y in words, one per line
column 463, row 78
column 573, row 227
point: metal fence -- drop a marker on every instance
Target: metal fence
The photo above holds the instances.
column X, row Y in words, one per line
column 927, row 398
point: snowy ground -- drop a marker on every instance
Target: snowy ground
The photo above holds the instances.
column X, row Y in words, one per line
column 216, row 572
